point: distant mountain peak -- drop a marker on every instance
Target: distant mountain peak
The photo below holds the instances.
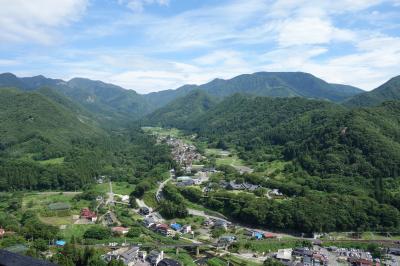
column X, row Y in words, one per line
column 388, row 91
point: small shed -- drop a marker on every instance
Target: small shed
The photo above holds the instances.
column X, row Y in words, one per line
column 60, row 243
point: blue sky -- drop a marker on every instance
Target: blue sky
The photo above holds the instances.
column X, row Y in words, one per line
column 151, row 45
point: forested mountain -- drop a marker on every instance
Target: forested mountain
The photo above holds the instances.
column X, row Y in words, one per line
column 161, row 98
column 341, row 170
column 48, row 141
column 178, row 112
column 107, row 102
column 273, row 84
column 111, row 103
column 387, row 91
column 107, row 99
column 34, row 123
column 340, row 141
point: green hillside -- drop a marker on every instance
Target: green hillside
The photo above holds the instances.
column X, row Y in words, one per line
column 115, row 105
column 250, row 121
column 107, row 99
column 340, row 168
column 386, row 92
column 324, row 138
column 273, row 84
column 178, row 112
column 49, row 142
column 32, row 123
column 108, row 103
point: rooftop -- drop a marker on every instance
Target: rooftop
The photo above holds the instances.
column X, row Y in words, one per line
column 11, row 259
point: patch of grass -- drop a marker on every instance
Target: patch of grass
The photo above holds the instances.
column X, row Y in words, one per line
column 173, row 132
column 57, row 221
column 122, row 188
column 76, row 230
column 40, row 201
column 267, row 245
column 149, row 198
column 239, row 261
column 183, row 257
column 52, row 161
column 216, row 262
column 274, row 168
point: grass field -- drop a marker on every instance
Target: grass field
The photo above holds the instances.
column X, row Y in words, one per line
column 363, row 236
column 123, row 188
column 41, row 200
column 274, row 168
column 150, row 198
column 173, row 132
column 183, row 257
column 232, row 159
column 57, row 221
column 52, row 161
column 76, row 230
column 239, row 261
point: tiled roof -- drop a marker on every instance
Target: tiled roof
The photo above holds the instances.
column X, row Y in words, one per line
column 12, row 259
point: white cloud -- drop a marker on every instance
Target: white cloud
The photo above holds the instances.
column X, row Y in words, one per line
column 138, row 5
column 216, row 40
column 24, row 21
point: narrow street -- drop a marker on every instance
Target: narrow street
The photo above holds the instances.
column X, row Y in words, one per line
column 110, row 194
column 160, row 188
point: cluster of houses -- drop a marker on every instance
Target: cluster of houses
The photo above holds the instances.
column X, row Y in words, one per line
column 131, row 256
column 342, row 256
column 164, row 229
column 183, row 153
column 301, row 257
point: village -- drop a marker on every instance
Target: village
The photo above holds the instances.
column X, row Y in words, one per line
column 139, row 235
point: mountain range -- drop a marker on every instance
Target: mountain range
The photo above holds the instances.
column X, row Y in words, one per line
column 49, row 113
column 312, row 140
column 112, row 103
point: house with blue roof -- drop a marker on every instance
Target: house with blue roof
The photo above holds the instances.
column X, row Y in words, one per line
column 258, row 235
column 176, row 226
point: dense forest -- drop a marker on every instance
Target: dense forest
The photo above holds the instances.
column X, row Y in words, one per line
column 180, row 111
column 46, row 142
column 331, row 151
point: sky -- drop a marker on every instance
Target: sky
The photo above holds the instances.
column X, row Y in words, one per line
column 152, row 45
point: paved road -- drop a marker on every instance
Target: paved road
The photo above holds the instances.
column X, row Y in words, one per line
column 141, row 204
column 110, row 194
column 160, row 188
column 203, row 214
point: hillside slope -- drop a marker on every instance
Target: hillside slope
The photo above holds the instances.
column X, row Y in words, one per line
column 34, row 123
column 179, row 111
column 390, row 90
column 107, row 102
column 326, row 140
column 273, row 84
